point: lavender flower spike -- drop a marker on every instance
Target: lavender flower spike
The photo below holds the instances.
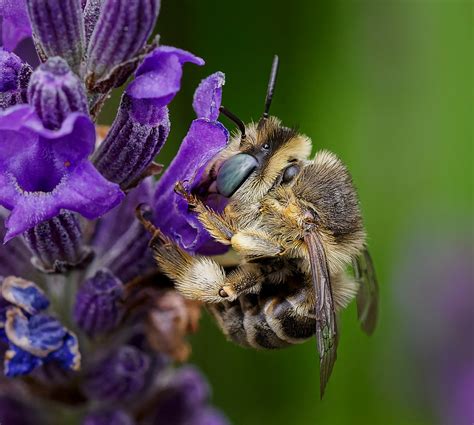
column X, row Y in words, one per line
column 14, row 78
column 119, row 35
column 97, row 303
column 67, row 39
column 15, row 23
column 55, row 92
column 43, row 171
column 142, row 124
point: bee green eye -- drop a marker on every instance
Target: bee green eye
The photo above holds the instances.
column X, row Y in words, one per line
column 290, row 173
column 234, row 172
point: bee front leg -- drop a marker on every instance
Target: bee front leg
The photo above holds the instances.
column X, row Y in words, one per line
column 255, row 245
column 218, row 225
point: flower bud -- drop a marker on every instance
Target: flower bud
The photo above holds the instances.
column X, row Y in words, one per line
column 57, row 243
column 97, row 303
column 55, row 92
column 120, row 376
column 119, row 35
column 58, row 28
column 14, row 77
column 91, row 15
column 136, row 136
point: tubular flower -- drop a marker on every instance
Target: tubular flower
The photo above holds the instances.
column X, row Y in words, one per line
column 206, row 137
column 83, row 311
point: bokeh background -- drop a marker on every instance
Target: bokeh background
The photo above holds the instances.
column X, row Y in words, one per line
column 388, row 86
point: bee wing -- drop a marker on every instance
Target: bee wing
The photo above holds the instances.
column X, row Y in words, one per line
column 326, row 329
column 368, row 294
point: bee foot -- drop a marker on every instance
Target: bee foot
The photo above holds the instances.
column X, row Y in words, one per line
column 227, row 292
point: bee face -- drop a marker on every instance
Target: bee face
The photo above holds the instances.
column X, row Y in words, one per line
column 253, row 166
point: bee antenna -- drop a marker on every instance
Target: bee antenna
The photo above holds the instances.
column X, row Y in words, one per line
column 271, row 87
column 236, row 120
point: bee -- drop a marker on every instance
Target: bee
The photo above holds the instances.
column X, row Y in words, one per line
column 296, row 225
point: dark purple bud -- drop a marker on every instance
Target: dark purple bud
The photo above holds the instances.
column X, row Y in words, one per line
column 57, row 243
column 108, row 417
column 91, row 15
column 136, row 136
column 55, row 92
column 184, row 398
column 120, row 376
column 14, row 77
column 58, row 29
column 119, row 35
column 97, row 307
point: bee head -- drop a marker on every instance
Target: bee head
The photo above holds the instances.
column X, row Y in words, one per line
column 258, row 153
column 260, row 160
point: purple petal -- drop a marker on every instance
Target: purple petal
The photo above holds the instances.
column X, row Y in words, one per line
column 203, row 141
column 16, row 24
column 43, row 171
column 25, row 294
column 68, row 355
column 208, row 96
column 159, row 76
column 19, row 362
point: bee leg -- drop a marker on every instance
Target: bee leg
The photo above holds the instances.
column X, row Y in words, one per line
column 218, row 225
column 202, row 278
column 255, row 244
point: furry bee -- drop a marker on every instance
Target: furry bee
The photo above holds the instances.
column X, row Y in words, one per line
column 295, row 223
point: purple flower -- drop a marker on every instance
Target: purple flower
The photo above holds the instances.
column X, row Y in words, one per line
column 204, row 140
column 142, row 124
column 158, row 78
column 120, row 376
column 43, row 171
column 16, row 25
column 96, row 309
column 33, row 337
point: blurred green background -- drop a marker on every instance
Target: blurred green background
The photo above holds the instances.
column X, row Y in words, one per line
column 388, row 86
